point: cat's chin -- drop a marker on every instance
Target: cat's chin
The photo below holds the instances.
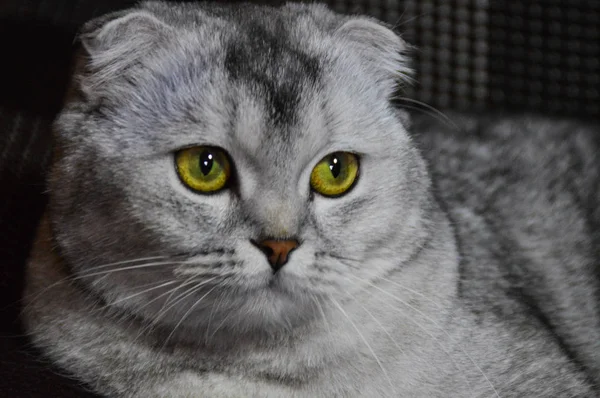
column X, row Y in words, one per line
column 273, row 306
column 280, row 305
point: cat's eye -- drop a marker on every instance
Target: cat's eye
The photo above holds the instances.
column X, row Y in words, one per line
column 204, row 169
column 335, row 174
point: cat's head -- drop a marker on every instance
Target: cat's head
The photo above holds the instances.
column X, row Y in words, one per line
column 206, row 145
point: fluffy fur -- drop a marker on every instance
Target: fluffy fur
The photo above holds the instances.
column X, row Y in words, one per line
column 473, row 276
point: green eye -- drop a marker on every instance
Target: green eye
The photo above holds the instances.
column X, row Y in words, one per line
column 203, row 168
column 335, row 174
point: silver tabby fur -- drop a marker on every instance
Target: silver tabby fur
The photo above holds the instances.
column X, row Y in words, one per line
column 464, row 263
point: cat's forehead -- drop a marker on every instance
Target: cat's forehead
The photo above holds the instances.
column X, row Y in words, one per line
column 262, row 81
column 264, row 94
column 262, row 85
column 265, row 134
column 268, row 64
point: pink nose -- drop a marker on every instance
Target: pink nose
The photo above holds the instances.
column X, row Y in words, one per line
column 277, row 251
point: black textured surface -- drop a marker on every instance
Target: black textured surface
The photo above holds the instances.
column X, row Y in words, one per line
column 539, row 55
column 546, row 55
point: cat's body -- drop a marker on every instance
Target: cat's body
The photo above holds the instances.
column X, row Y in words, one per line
column 481, row 284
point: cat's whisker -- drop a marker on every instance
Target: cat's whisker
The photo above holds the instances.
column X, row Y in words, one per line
column 423, row 296
column 225, row 319
column 403, row 287
column 179, row 298
column 437, row 341
column 208, row 259
column 339, row 257
column 432, row 111
column 169, row 292
column 154, row 285
column 212, row 312
column 428, row 333
column 430, row 319
column 199, row 269
column 337, row 304
column 107, row 273
column 187, row 313
column 400, row 23
column 188, row 281
column 396, row 24
column 377, row 322
column 163, row 311
column 322, row 311
column 142, row 292
column 134, row 260
column 426, row 112
column 69, row 278
column 129, row 268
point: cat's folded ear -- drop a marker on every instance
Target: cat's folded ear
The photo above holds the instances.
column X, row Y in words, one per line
column 382, row 52
column 112, row 43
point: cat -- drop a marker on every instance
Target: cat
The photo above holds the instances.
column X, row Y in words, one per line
column 237, row 207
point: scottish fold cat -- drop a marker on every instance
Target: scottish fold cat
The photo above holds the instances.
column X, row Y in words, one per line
column 238, row 209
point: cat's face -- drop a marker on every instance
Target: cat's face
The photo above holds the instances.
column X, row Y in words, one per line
column 273, row 95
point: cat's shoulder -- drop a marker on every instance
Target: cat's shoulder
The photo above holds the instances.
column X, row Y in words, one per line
column 518, row 147
column 502, row 130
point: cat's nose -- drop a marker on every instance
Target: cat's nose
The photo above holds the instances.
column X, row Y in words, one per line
column 277, row 251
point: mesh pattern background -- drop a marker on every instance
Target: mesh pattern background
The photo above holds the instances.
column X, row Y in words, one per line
column 451, row 47
column 540, row 55
column 546, row 55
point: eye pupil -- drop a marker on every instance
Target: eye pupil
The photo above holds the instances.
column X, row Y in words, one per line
column 206, row 162
column 335, row 166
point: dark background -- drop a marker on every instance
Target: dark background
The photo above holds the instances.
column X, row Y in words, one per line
column 476, row 55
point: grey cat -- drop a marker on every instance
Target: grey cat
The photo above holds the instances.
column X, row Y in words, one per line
column 238, row 209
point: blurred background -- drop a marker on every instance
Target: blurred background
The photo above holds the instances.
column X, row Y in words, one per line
column 539, row 56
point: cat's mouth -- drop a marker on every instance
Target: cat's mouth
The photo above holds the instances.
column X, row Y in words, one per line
column 285, row 286
column 281, row 284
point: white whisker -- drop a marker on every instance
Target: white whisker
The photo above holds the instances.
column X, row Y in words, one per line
column 379, row 324
column 134, row 260
column 441, row 116
column 140, row 266
column 179, row 299
column 334, row 301
column 187, row 313
column 322, row 311
column 170, row 292
column 142, row 292
column 416, row 293
column 439, row 327
column 188, row 281
column 435, row 339
column 210, row 317
column 77, row 276
column 401, row 23
column 220, row 325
